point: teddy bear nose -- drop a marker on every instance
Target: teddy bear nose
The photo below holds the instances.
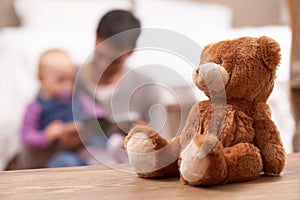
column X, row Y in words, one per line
column 197, row 70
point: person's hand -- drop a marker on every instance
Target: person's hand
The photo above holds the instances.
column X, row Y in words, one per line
column 70, row 128
column 70, row 138
column 54, row 130
column 140, row 122
column 124, row 127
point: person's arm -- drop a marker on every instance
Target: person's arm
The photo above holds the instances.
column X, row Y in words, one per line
column 31, row 135
column 90, row 108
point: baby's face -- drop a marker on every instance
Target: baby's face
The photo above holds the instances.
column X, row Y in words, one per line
column 57, row 78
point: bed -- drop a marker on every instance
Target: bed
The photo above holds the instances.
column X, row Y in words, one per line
column 72, row 28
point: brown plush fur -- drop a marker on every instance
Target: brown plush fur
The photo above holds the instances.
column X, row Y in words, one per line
column 158, row 143
column 249, row 141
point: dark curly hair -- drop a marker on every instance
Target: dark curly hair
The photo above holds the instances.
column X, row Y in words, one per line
column 117, row 21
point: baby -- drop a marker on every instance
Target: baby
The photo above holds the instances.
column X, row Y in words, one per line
column 48, row 125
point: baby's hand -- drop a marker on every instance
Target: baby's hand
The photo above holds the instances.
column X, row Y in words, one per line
column 54, row 130
column 71, row 128
column 70, row 138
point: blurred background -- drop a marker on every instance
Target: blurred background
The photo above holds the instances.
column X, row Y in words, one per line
column 29, row 27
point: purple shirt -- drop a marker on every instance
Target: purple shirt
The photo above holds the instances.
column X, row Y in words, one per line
column 41, row 112
column 31, row 135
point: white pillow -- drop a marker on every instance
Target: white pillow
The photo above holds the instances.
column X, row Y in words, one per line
column 183, row 15
column 79, row 15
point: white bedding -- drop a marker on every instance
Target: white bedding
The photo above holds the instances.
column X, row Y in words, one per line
column 20, row 48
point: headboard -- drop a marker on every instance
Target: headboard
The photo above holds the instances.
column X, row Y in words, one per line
column 7, row 14
column 245, row 12
column 254, row 12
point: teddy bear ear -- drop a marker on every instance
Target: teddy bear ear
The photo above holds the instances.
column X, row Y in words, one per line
column 270, row 50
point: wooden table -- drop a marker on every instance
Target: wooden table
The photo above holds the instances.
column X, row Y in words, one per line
column 99, row 182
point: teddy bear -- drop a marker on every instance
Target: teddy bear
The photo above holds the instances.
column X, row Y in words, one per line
column 230, row 137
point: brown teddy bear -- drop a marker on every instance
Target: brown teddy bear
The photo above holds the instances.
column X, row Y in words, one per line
column 231, row 136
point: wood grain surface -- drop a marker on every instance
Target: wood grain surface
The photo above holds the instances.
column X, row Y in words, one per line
column 100, row 182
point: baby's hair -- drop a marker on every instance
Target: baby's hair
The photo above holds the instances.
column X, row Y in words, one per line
column 51, row 54
column 117, row 21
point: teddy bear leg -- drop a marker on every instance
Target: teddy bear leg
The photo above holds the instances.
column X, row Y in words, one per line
column 202, row 162
column 244, row 162
column 151, row 155
column 205, row 162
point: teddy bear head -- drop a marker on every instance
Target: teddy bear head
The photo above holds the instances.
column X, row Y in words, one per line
column 244, row 67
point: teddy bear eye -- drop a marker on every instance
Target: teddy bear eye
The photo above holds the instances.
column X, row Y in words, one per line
column 219, row 62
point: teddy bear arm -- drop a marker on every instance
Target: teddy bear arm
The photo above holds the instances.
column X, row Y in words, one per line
column 191, row 126
column 237, row 128
column 267, row 139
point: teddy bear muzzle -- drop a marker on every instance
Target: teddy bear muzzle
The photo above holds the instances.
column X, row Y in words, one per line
column 214, row 76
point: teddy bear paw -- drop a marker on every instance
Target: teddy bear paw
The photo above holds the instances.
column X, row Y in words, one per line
column 196, row 159
column 149, row 153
